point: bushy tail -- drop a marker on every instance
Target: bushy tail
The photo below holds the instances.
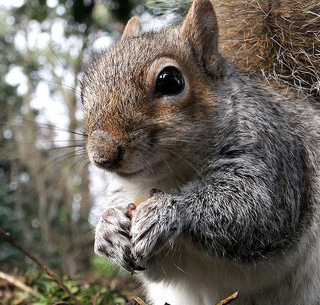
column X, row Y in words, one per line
column 281, row 39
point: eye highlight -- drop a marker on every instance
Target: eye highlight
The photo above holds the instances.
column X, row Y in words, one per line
column 169, row 82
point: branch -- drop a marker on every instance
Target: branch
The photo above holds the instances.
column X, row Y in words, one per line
column 40, row 264
column 14, row 281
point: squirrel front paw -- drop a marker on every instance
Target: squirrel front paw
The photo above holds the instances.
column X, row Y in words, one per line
column 155, row 226
column 112, row 238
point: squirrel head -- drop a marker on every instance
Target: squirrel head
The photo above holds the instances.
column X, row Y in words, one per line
column 148, row 100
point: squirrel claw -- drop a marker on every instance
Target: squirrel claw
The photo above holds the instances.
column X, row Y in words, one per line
column 154, row 191
column 133, row 268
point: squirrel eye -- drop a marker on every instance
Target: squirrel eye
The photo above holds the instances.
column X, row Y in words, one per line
column 169, row 82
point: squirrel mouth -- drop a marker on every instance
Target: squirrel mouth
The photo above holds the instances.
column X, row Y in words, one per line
column 130, row 174
column 147, row 171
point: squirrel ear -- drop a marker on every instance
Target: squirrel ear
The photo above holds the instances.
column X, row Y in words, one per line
column 133, row 28
column 201, row 29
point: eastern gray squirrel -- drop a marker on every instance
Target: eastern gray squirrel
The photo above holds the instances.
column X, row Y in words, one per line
column 230, row 170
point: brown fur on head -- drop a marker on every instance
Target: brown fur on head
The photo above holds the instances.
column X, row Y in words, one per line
column 130, row 128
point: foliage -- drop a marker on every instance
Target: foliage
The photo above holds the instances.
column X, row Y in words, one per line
column 104, row 267
column 50, row 293
column 88, row 291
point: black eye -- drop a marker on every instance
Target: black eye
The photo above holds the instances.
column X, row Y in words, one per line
column 169, row 82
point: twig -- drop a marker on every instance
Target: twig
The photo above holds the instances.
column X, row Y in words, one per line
column 40, row 264
column 94, row 298
column 229, row 299
column 14, row 281
column 139, row 301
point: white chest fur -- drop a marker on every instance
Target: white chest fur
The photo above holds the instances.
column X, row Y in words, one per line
column 184, row 275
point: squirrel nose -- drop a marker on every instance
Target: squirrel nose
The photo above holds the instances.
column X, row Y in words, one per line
column 103, row 151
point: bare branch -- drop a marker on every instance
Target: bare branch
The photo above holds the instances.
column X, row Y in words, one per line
column 8, row 238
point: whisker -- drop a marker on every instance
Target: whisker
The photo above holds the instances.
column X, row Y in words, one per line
column 147, row 151
column 84, row 157
column 49, row 148
column 70, row 88
column 44, row 126
column 179, row 268
column 67, row 140
column 63, row 64
column 190, row 164
column 77, row 162
column 173, row 174
column 150, row 166
column 180, row 140
column 75, row 150
column 66, row 147
column 64, row 157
